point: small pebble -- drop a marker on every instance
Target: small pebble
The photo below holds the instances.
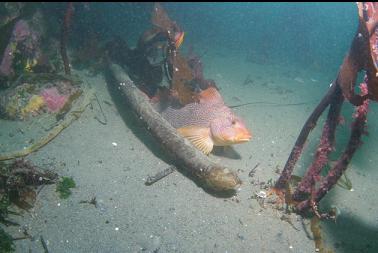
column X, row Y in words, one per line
column 261, row 194
column 114, row 144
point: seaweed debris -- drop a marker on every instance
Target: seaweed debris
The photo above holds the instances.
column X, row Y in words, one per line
column 6, row 242
column 18, row 182
column 64, row 185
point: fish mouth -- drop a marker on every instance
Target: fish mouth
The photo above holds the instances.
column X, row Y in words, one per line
column 231, row 141
column 243, row 140
column 227, row 140
column 243, row 137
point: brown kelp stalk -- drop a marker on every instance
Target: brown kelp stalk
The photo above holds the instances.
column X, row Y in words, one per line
column 324, row 149
column 362, row 55
column 358, row 129
column 298, row 147
column 64, row 37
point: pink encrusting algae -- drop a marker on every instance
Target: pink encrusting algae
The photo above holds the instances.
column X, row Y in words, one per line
column 53, row 99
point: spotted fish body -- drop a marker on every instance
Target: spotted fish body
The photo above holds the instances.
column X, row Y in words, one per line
column 196, row 114
column 208, row 123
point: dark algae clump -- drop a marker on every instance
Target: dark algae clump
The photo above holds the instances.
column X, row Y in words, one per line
column 64, row 185
column 19, row 180
column 6, row 242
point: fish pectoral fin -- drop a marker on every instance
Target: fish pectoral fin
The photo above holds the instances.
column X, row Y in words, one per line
column 199, row 136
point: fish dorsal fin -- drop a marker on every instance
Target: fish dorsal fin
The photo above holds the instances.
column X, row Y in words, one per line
column 210, row 95
column 199, row 136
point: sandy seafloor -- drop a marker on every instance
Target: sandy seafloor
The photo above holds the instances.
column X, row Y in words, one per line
column 175, row 214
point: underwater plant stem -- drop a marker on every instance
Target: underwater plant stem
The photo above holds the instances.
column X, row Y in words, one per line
column 306, row 129
column 358, row 129
column 105, row 121
column 324, row 148
column 161, row 174
column 44, row 245
column 215, row 176
column 21, row 238
column 71, row 117
column 270, row 104
column 64, row 37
